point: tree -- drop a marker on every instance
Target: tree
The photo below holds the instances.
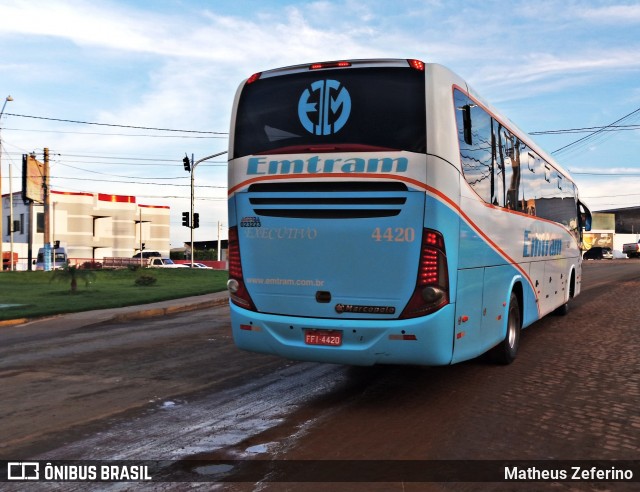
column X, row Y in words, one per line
column 71, row 274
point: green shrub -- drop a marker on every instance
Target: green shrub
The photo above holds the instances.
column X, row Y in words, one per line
column 146, row 280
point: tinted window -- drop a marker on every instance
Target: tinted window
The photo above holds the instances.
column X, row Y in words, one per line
column 381, row 107
column 510, row 149
column 476, row 153
column 505, row 172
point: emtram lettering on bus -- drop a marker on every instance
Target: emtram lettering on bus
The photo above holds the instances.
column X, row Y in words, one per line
column 534, row 246
column 316, row 164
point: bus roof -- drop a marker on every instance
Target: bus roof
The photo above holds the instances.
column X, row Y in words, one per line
column 416, row 64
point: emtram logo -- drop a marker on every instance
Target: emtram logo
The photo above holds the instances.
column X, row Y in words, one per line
column 324, row 107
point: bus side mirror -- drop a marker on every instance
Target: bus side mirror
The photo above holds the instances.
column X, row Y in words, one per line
column 585, row 216
column 466, row 124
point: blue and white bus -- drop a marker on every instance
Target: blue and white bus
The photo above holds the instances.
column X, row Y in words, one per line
column 381, row 212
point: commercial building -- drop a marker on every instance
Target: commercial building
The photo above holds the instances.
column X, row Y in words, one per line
column 90, row 226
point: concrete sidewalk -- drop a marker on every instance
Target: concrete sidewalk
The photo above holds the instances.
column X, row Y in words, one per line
column 162, row 308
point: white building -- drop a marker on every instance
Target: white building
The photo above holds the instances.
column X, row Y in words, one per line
column 90, row 226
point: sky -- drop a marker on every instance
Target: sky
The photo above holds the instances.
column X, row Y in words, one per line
column 106, row 84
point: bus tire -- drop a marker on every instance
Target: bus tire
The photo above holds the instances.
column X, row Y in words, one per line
column 562, row 310
column 505, row 352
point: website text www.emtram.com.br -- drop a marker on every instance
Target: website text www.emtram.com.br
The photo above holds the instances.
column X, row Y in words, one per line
column 286, row 281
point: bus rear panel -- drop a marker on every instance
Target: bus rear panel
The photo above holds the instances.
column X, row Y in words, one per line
column 354, row 237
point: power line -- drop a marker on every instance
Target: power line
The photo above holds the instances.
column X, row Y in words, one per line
column 603, row 174
column 137, row 161
column 117, row 175
column 608, row 128
column 116, row 134
column 144, row 183
column 593, row 134
column 114, row 125
column 611, row 196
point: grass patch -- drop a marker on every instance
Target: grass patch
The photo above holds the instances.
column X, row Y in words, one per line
column 36, row 295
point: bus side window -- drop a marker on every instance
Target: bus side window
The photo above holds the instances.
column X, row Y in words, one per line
column 531, row 162
column 476, row 158
column 510, row 167
column 529, row 185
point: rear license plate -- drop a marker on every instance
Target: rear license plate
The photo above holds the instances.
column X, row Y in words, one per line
column 330, row 338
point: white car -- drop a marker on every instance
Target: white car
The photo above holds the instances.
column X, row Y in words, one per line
column 164, row 263
column 200, row 265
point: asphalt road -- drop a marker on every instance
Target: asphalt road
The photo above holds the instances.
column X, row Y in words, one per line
column 176, row 388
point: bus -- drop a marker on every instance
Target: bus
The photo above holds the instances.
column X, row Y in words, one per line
column 381, row 212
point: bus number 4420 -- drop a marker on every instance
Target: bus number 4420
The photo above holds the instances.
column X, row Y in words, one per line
column 394, row 234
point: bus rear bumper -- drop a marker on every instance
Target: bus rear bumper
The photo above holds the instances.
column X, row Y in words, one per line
column 426, row 341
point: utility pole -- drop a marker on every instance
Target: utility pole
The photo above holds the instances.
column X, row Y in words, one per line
column 11, row 262
column 7, row 99
column 219, row 242
column 191, row 167
column 47, row 205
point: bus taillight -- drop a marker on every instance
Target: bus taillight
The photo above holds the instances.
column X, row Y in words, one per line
column 336, row 64
column 432, row 285
column 254, row 77
column 417, row 65
column 235, row 284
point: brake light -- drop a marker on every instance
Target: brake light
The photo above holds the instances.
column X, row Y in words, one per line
column 237, row 290
column 432, row 284
column 254, row 77
column 417, row 65
column 338, row 64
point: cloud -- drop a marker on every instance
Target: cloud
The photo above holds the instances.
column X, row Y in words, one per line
column 600, row 194
column 612, row 14
column 286, row 35
column 523, row 76
column 177, row 64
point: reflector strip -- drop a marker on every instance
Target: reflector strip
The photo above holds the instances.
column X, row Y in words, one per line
column 402, row 337
column 250, row 328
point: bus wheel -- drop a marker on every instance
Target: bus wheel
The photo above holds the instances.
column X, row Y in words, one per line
column 505, row 352
column 562, row 310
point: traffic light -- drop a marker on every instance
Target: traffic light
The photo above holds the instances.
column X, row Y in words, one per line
column 196, row 220
column 187, row 163
column 185, row 219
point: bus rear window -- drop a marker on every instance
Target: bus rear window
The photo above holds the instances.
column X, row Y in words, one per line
column 348, row 109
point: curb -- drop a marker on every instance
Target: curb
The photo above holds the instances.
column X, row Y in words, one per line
column 155, row 312
column 140, row 314
column 12, row 322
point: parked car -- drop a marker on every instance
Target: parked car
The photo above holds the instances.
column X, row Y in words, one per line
column 164, row 263
column 598, row 253
column 199, row 265
column 632, row 250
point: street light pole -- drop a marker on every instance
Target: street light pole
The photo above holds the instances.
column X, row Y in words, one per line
column 193, row 168
column 12, row 266
column 7, row 99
